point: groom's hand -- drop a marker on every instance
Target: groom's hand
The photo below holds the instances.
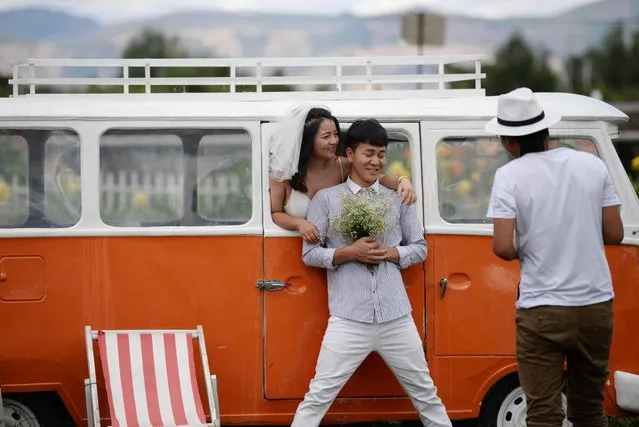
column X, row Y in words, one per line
column 368, row 250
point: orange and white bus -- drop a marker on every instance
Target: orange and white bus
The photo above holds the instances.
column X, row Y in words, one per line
column 149, row 210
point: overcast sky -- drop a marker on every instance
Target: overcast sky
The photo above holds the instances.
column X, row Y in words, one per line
column 117, row 10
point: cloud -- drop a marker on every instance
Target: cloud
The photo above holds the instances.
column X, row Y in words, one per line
column 104, row 10
column 483, row 8
column 109, row 10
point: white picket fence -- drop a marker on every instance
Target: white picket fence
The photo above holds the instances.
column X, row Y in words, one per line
column 126, row 190
column 17, row 187
column 120, row 190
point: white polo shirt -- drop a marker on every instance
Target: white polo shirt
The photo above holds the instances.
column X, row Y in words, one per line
column 557, row 198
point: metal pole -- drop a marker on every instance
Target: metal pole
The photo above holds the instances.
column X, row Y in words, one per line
column 421, row 17
column 2, row 419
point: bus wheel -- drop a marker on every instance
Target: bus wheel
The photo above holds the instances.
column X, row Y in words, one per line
column 505, row 405
column 17, row 414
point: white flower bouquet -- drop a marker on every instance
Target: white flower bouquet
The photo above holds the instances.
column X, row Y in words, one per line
column 365, row 214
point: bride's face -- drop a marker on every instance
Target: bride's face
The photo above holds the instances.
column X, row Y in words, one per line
column 326, row 139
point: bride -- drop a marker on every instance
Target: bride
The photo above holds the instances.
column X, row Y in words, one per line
column 303, row 161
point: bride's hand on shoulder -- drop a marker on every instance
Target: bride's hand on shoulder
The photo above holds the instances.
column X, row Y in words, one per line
column 406, row 191
column 309, row 232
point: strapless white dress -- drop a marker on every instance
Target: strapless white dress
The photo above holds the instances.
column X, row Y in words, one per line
column 297, row 204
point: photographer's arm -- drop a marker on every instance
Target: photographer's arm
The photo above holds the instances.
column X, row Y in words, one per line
column 502, row 208
column 612, row 226
column 504, row 239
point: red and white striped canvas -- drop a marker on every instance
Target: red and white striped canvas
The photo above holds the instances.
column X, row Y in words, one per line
column 150, row 379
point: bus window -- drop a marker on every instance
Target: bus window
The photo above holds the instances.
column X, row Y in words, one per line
column 39, row 178
column 141, row 177
column 224, row 186
column 398, row 155
column 466, row 169
column 465, row 172
column 62, row 201
column 175, row 177
column 581, row 144
column 14, row 187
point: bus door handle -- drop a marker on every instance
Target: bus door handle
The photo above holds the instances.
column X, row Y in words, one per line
column 443, row 284
column 271, row 285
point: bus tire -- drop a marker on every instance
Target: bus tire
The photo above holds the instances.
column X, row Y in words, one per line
column 16, row 414
column 37, row 409
column 505, row 405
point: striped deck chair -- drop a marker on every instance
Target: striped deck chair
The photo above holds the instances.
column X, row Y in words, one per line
column 150, row 378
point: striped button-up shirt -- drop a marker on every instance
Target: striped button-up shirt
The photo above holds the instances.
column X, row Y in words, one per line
column 353, row 292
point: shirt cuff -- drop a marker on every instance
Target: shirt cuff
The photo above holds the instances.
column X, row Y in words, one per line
column 329, row 253
column 404, row 260
column 501, row 215
column 611, row 202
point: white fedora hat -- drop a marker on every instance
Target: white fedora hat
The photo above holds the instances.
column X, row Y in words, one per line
column 520, row 113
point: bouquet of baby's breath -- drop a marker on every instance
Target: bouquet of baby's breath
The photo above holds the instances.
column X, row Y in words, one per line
column 364, row 214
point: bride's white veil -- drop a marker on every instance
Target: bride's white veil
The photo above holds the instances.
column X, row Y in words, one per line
column 286, row 142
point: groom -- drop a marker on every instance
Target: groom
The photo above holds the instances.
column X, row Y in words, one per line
column 368, row 312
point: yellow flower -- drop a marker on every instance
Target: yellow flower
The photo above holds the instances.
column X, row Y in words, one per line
column 635, row 164
column 464, row 187
column 5, row 191
column 71, row 181
column 73, row 186
column 444, row 150
column 397, row 168
column 141, row 198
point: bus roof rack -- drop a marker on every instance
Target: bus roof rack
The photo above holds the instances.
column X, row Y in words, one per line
column 333, row 77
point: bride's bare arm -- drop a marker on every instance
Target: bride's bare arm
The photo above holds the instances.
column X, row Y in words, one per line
column 278, row 196
column 403, row 187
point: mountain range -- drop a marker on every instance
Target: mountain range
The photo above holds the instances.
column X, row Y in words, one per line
column 42, row 33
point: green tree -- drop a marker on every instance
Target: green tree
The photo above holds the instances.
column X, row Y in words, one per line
column 613, row 67
column 515, row 65
column 609, row 63
column 268, row 88
column 154, row 44
column 151, row 43
column 633, row 61
column 5, row 87
column 575, row 71
column 278, row 88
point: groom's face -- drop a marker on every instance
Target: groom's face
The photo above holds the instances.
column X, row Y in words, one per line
column 367, row 161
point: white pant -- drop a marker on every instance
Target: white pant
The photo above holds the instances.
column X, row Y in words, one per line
column 345, row 346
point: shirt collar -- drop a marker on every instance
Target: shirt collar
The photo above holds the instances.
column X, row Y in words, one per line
column 355, row 188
